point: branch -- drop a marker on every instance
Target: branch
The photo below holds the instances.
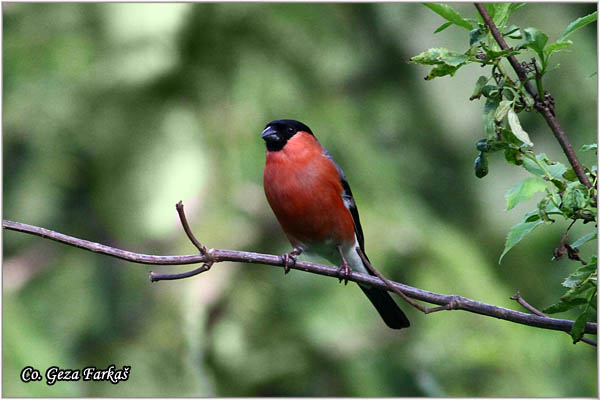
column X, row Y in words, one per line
column 542, row 105
column 517, row 297
column 450, row 302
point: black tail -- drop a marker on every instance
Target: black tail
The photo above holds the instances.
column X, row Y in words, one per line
column 386, row 306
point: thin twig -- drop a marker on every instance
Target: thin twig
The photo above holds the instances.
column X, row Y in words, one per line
column 186, row 228
column 541, row 105
column 218, row 255
column 500, row 39
column 154, row 277
column 399, row 292
column 534, row 310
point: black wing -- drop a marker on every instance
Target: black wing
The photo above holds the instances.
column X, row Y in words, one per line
column 349, row 203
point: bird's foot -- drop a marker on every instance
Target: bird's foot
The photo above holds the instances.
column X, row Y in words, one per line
column 289, row 259
column 344, row 272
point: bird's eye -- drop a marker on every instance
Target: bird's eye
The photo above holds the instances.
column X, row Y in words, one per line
column 290, row 129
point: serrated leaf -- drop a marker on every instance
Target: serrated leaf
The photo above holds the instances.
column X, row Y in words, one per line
column 578, row 24
column 442, row 27
column 490, row 91
column 476, row 35
column 559, row 184
column 524, row 191
column 562, row 306
column 513, row 32
column 536, row 40
column 513, row 156
column 481, row 81
column 555, row 169
column 570, row 175
column 489, row 111
column 589, row 147
column 517, row 130
column 501, row 14
column 515, row 6
column 557, row 46
column 441, row 70
column 584, row 239
column 502, row 109
column 438, row 56
column 580, row 275
column 517, row 233
column 579, row 326
column 492, row 54
column 581, row 291
column 535, row 214
column 447, row 12
column 574, row 199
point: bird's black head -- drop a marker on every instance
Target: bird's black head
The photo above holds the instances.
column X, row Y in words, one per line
column 277, row 133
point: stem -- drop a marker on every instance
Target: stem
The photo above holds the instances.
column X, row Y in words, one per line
column 541, row 106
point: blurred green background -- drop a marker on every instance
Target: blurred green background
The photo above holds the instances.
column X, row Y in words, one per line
column 114, row 112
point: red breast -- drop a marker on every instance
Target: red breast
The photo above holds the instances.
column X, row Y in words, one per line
column 304, row 190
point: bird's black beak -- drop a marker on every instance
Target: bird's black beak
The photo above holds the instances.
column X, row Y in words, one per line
column 270, row 135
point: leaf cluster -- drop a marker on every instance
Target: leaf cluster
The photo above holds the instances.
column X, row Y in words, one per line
column 505, row 98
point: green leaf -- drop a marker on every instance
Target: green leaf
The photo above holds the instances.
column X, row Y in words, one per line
column 570, row 175
column 481, row 81
column 515, row 126
column 584, row 239
column 574, row 198
column 582, row 286
column 489, row 112
column 502, row 109
column 559, row 184
column 578, row 24
column 442, row 27
column 517, row 233
column 579, row 326
column 476, row 35
column 491, row 54
column 513, row 32
column 446, row 61
column 438, row 56
column 501, row 14
column 524, row 191
column 563, row 305
column 513, row 156
column 490, row 91
column 588, row 147
column 555, row 169
column 515, row 6
column 579, row 276
column 556, row 47
column 450, row 14
column 536, row 40
column 441, row 70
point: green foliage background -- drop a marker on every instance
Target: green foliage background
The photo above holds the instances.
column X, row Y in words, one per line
column 114, row 112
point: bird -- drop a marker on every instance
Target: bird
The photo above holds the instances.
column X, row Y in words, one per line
column 312, row 201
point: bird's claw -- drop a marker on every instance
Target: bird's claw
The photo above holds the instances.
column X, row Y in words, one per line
column 344, row 271
column 287, row 257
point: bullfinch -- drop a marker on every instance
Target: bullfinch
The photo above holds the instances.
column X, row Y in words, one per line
column 313, row 203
